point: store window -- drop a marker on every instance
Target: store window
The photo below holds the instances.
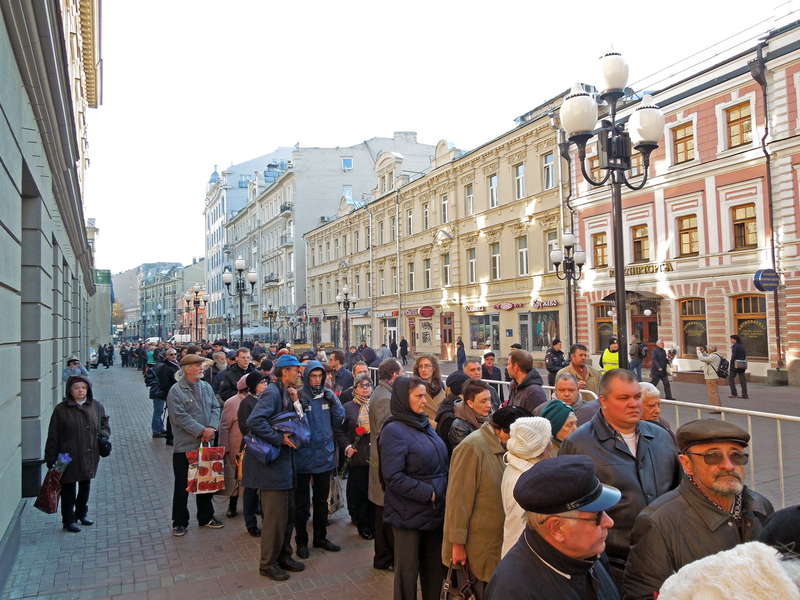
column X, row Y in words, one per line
column 750, row 322
column 484, row 330
column 537, row 330
column 362, row 333
column 603, row 326
column 692, row 313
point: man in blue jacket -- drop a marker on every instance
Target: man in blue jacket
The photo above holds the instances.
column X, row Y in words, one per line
column 317, row 461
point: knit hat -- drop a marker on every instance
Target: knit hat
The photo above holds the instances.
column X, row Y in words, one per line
column 253, row 379
column 557, row 412
column 241, row 385
column 530, row 436
column 782, row 530
column 455, row 381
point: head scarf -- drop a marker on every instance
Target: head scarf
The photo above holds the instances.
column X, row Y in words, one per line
column 464, row 411
column 401, row 410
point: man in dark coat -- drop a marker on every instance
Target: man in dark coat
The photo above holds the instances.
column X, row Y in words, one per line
column 73, row 428
column 493, row 373
column 711, row 511
column 554, row 361
column 461, row 353
column 231, row 376
column 404, row 350
column 526, row 386
column 633, row 455
column 341, row 377
column 658, row 369
column 558, row 554
column 165, row 372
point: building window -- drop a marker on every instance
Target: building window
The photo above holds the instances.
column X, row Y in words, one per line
column 484, row 331
column 393, row 228
column 358, row 286
column 693, row 325
column 744, row 226
column 347, row 164
column 739, row 125
column 347, row 192
column 471, row 265
column 683, row 143
column 426, row 264
column 367, row 237
column 411, row 277
column 519, row 181
column 750, row 322
column 446, row 269
column 425, row 216
column 551, row 243
column 394, row 280
column 355, row 241
column 689, row 244
column 548, row 171
column 336, row 248
column 469, row 200
column 327, row 251
column 380, row 232
column 603, row 326
column 637, row 165
column 445, row 215
column 409, row 222
column 594, row 168
column 522, row 255
column 492, row 185
column 381, row 283
column 369, row 283
column 641, row 243
column 600, row 249
column 344, row 245
column 494, row 251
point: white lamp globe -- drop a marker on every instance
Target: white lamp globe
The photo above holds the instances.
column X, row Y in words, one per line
column 568, row 239
column 240, row 264
column 613, row 71
column 578, row 113
column 646, row 124
column 579, row 257
column 556, row 256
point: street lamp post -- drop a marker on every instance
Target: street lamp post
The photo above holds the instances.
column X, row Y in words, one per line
column 346, row 304
column 144, row 325
column 569, row 264
column 269, row 316
column 578, row 115
column 242, row 280
column 195, row 297
column 228, row 319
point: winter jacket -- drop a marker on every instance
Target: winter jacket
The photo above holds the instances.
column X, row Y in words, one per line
column 458, row 430
column 738, row 352
column 529, row 394
column 592, row 379
column 461, row 353
column 166, row 376
column 414, row 465
column 658, row 366
column 680, row 527
column 230, row 377
column 346, row 435
column 471, row 516
column 653, row 472
column 515, row 516
column 342, row 380
column 246, row 407
column 230, row 436
column 432, row 405
column 188, row 417
column 534, row 570
column 403, row 347
column 324, row 414
column 710, row 364
column 379, row 411
column 280, row 474
column 73, row 429
column 554, row 360
column 445, row 415
column 494, row 374
column 74, row 372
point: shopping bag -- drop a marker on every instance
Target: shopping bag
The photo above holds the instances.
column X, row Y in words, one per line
column 206, row 470
column 47, row 500
column 335, row 496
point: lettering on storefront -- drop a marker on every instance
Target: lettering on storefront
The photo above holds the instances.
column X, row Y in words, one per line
column 508, row 305
column 426, row 312
column 648, row 269
column 545, row 303
column 471, row 308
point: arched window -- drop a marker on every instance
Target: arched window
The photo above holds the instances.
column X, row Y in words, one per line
column 750, row 322
column 692, row 313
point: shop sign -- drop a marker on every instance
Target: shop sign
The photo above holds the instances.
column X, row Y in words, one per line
column 648, row 269
column 471, row 308
column 766, row 280
column 508, row 305
column 426, row 312
column 387, row 315
column 545, row 303
column 410, row 312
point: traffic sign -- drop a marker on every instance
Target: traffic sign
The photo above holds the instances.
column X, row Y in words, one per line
column 766, row 280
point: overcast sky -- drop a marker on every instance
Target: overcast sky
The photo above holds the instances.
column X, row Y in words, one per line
column 190, row 84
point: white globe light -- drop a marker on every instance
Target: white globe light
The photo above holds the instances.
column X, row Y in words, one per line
column 338, row 297
column 568, row 239
column 647, row 312
column 252, row 277
column 613, row 71
column 579, row 257
column 646, row 124
column 345, row 289
column 578, row 113
column 240, row 264
column 227, row 278
column 556, row 256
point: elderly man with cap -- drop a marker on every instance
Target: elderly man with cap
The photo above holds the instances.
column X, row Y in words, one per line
column 195, row 414
column 711, row 511
column 557, row 555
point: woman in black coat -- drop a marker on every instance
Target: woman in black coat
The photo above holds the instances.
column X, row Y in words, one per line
column 74, row 426
column 738, row 357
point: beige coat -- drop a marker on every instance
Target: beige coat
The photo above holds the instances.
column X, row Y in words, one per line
column 710, row 363
column 432, row 406
column 379, row 411
column 473, row 509
column 592, row 379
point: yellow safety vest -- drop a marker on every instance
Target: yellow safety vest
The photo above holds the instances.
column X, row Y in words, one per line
column 610, row 360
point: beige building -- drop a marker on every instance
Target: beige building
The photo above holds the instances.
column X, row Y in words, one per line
column 457, row 251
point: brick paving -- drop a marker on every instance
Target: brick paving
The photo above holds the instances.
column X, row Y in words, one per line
column 130, row 553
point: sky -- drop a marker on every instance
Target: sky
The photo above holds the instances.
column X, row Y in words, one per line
column 188, row 85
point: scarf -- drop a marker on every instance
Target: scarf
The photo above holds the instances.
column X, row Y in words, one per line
column 401, row 411
column 433, row 387
column 463, row 411
column 363, row 411
column 736, row 508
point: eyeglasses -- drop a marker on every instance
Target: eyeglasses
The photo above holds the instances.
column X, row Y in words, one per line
column 365, row 385
column 715, row 458
column 596, row 519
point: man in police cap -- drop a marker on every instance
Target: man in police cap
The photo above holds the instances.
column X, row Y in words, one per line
column 558, row 554
column 711, row 511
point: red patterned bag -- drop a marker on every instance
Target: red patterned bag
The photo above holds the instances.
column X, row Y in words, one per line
column 206, row 470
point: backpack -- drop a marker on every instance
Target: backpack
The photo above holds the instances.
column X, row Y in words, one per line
column 642, row 351
column 724, row 366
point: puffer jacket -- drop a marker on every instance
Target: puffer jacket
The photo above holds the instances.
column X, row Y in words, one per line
column 279, row 474
column 653, row 472
column 324, row 414
column 188, row 417
column 529, row 394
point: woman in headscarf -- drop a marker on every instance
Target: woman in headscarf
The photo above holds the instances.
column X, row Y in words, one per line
column 426, row 368
column 562, row 422
column 471, row 412
column 74, row 426
column 414, row 463
column 527, row 445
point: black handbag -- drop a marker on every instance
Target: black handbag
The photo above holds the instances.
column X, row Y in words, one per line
column 103, row 443
column 452, row 589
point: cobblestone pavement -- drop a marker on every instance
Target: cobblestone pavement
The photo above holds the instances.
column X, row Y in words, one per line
column 130, row 553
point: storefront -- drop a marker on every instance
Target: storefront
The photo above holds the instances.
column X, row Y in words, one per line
column 388, row 327
column 540, row 326
column 424, row 334
column 360, row 327
column 484, row 328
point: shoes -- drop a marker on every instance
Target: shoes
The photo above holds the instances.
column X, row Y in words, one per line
column 254, row 531
column 275, row 573
column 366, row 533
column 86, row 521
column 72, row 527
column 326, row 544
column 733, row 396
column 231, row 513
column 302, row 550
column 290, row 564
column 179, row 531
column 213, row 524
column 745, row 397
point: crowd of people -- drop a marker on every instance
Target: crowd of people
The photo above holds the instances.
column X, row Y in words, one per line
column 524, row 491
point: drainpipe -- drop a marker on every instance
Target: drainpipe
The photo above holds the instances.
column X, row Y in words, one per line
column 758, row 70
column 397, row 250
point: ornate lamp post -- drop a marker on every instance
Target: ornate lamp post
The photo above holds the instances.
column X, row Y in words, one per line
column 195, row 297
column 144, row 324
column 346, row 304
column 228, row 319
column 158, row 315
column 569, row 264
column 269, row 316
column 242, row 280
column 578, row 115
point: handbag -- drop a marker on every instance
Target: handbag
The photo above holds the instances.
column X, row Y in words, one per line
column 451, row 587
column 335, row 496
column 284, row 422
column 740, row 365
column 206, row 470
column 103, row 443
column 50, row 492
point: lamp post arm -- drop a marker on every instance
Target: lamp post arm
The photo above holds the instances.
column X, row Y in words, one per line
column 641, row 184
column 586, row 175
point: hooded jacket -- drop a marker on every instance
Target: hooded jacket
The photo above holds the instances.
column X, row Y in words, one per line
column 529, row 394
column 73, row 429
column 324, row 413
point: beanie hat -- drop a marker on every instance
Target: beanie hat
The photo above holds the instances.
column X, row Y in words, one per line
column 455, row 381
column 782, row 530
column 253, row 379
column 557, row 412
column 530, row 436
column 241, row 385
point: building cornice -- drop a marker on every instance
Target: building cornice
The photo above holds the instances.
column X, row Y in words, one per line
column 89, row 13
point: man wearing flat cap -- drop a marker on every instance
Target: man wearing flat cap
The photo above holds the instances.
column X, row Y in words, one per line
column 558, row 553
column 711, row 511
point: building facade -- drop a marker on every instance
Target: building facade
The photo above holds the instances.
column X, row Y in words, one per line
column 50, row 75
column 161, row 292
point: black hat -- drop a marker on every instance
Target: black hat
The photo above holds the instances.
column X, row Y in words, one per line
column 307, row 355
column 455, row 381
column 253, row 379
column 217, row 343
column 707, row 431
column 564, row 483
column 782, row 530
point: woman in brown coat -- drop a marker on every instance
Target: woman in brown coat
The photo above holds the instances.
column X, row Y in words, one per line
column 74, row 425
column 426, row 368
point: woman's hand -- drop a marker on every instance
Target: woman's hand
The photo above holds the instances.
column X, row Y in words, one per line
column 459, row 554
column 349, row 451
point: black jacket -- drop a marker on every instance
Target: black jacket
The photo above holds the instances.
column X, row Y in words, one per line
column 659, row 361
column 403, row 347
column 534, row 570
column 554, row 360
column 680, row 527
column 493, row 374
column 346, row 435
column 653, row 472
column 230, row 377
column 529, row 394
column 166, row 376
column 738, row 352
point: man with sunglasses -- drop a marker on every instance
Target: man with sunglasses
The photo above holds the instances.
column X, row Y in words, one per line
column 711, row 511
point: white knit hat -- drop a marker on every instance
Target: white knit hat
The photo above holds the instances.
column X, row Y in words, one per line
column 530, row 437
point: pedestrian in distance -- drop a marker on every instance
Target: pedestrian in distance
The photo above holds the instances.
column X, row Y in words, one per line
column 404, row 350
column 711, row 362
column 609, row 359
column 492, row 372
column 393, row 347
column 659, row 371
column 579, row 367
column 526, row 383
column 554, row 361
column 637, row 351
column 738, row 367
column 426, row 367
column 74, row 368
column 461, row 354
column 241, row 366
column 74, row 427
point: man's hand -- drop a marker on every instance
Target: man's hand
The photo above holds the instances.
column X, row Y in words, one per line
column 349, row 451
column 459, row 554
column 287, row 441
column 581, row 384
column 208, row 434
column 292, row 393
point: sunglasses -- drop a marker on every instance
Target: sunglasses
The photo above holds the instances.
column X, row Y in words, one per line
column 715, row 458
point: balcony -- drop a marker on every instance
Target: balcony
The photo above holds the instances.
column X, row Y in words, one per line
column 290, row 275
column 271, row 279
column 287, row 240
column 286, row 207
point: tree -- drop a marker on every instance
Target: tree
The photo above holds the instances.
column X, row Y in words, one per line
column 117, row 314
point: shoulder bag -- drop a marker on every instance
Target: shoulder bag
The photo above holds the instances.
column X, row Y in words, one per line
column 103, row 443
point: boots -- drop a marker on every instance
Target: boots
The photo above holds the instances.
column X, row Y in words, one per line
column 232, row 506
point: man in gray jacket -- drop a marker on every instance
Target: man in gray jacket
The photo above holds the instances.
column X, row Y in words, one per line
column 194, row 412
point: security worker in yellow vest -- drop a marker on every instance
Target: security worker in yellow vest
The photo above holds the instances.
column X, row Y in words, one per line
column 610, row 358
